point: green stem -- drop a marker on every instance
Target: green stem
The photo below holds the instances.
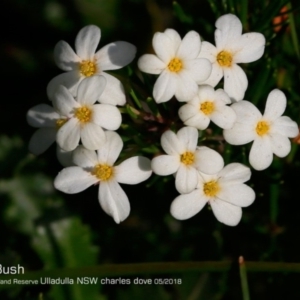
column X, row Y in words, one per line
column 135, row 98
column 244, row 280
column 293, row 30
column 244, row 13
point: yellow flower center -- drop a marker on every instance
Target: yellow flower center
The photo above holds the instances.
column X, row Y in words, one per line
column 60, row 122
column 262, row 128
column 207, row 107
column 83, row 114
column 103, row 172
column 211, row 188
column 187, row 158
column 175, row 65
column 224, row 59
column 87, row 68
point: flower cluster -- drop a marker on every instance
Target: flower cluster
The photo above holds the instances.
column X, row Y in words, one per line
column 83, row 119
column 84, row 116
column 199, row 174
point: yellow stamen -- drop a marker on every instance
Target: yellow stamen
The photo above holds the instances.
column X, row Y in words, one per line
column 211, row 188
column 103, row 172
column 207, row 107
column 224, row 59
column 83, row 114
column 187, row 158
column 262, row 128
column 60, row 123
column 87, row 68
column 175, row 65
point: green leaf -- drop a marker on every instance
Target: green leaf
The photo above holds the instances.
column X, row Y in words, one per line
column 67, row 243
column 28, row 197
column 181, row 15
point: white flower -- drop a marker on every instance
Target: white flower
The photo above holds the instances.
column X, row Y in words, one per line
column 185, row 159
column 232, row 47
column 44, row 117
column 270, row 132
column 99, row 168
column 84, row 119
column 86, row 62
column 177, row 63
column 208, row 105
column 224, row 191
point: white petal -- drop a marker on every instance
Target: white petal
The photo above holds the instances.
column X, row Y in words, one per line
column 224, row 118
column 192, row 116
column 186, row 206
column 114, row 92
column 64, row 157
column 239, row 134
column 90, row 89
column 165, row 164
column 199, row 69
column 190, row 46
column 226, row 213
column 188, row 136
column 171, row 144
column 234, row 173
column 205, row 92
column 186, row 179
column 42, row 115
column 235, row 82
column 229, row 29
column 87, row 41
column 238, row 194
column 69, row 79
column 243, row 130
column 250, row 47
column 186, row 88
column 202, row 179
column 107, row 116
column 110, row 151
column 275, row 106
column 281, row 145
column 64, row 102
column 208, row 161
column 84, row 158
column 113, row 200
column 221, row 97
column 165, row 87
column 189, row 110
column 115, row 55
column 65, row 58
column 151, row 64
column 92, row 136
column 73, row 180
column 208, row 51
column 68, row 135
column 286, row 127
column 133, row 170
column 41, row 140
column 215, row 76
column 261, row 155
column 164, row 47
column 174, row 36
